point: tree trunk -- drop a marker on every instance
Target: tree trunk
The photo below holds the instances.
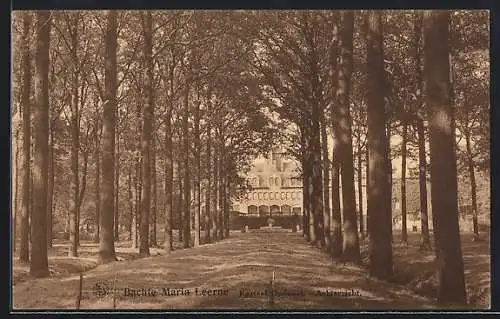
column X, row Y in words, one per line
column 25, row 165
column 130, row 201
column 305, row 187
column 378, row 174
column 419, row 124
column 169, row 171
column 208, row 198
column 350, row 247
column 15, row 186
column 422, row 177
column 154, row 193
column 187, row 188
column 404, row 232
column 389, row 177
column 216, row 190
column 220, row 191
column 39, row 266
column 147, row 128
column 107, row 240
column 116, row 214
column 97, row 185
column 472, row 178
column 360, row 194
column 137, row 204
column 50, row 186
column 197, row 179
column 226, row 207
column 367, row 175
column 75, row 141
column 336, row 212
column 451, row 288
column 326, row 183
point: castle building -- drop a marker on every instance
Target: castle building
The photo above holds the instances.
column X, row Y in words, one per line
column 275, row 188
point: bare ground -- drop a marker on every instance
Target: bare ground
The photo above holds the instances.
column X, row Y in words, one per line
column 241, row 265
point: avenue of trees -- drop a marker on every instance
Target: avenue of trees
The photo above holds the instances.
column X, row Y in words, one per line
column 126, row 120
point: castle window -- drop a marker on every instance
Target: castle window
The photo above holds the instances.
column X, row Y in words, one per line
column 270, row 181
column 277, row 181
column 264, row 195
column 282, row 195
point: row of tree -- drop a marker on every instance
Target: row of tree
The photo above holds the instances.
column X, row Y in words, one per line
column 402, row 74
column 164, row 118
column 166, row 105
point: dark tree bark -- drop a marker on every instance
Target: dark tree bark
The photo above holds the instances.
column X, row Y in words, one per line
column 422, row 177
column 169, row 168
column 326, row 183
column 220, row 189
column 39, row 266
column 419, row 124
column 74, row 20
column 336, row 220
column 378, row 174
column 50, row 185
column 208, row 197
column 154, row 193
column 388, row 219
column 15, row 185
column 197, row 177
column 451, row 288
column 130, row 200
column 360, row 193
column 305, row 189
column 147, row 128
column 116, row 193
column 336, row 212
column 97, row 180
column 350, row 247
column 187, row 188
column 25, row 212
column 473, row 187
column 107, row 240
column 404, row 231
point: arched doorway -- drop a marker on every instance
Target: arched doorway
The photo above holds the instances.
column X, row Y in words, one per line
column 264, row 210
column 286, row 209
column 253, row 210
column 275, row 210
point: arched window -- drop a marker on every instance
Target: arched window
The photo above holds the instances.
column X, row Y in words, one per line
column 271, row 181
column 277, row 181
column 264, row 195
column 276, row 196
column 283, row 195
column 271, row 196
column 292, row 195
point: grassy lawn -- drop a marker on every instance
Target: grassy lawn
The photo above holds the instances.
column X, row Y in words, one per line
column 235, row 274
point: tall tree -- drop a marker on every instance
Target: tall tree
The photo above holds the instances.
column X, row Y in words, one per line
column 451, row 289
column 350, row 247
column 147, row 125
column 419, row 124
column 378, row 181
column 39, row 266
column 336, row 221
column 107, row 241
column 73, row 21
column 26, row 123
